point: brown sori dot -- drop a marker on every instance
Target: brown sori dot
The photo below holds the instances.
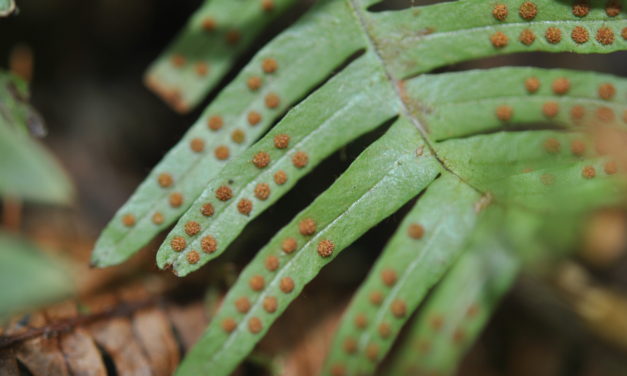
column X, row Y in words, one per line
column 547, row 179
column 255, row 325
column 209, row 244
column 261, row 159
column 242, row 304
column 270, row 304
column 528, row 10
column 128, row 220
column 229, row 325
column 176, row 199
column 552, row 145
column 245, row 206
column 361, row 321
column 437, row 322
column 289, row 245
column 376, row 297
column 286, row 285
column 215, row 122
column 578, row 147
column 325, row 248
column 192, row 228
column 624, row 33
column 272, row 263
column 472, row 311
column 192, row 257
column 238, row 136
column 254, row 83
column 300, row 159
column 388, row 276
column 208, row 24
column 499, row 39
column 561, row 85
column 610, row 167
column 350, row 345
column 281, row 141
column 605, row 36
column 607, row 91
column 424, row 346
column 588, row 172
column 553, row 35
column 269, row 65
column 201, row 68
column 280, row 177
column 233, row 37
column 272, row 100
column 165, row 180
column 500, row 12
column 577, row 112
column 157, row 218
column 527, row 37
column 605, row 114
column 197, row 145
column 178, row 243
column 612, row 8
column 372, row 352
column 504, row 112
column 257, row 283
column 207, row 210
column 307, row 227
column 580, row 34
column 550, row 109
column 384, row 330
column 415, row 231
column 581, row 8
column 262, row 191
column 459, row 336
column 254, row 117
column 224, row 193
column 338, row 370
column 222, row 152
column 398, row 308
column 177, row 60
column 532, row 84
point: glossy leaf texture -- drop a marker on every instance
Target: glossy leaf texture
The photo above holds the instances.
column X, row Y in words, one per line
column 207, row 47
column 27, row 170
column 385, row 176
column 233, row 121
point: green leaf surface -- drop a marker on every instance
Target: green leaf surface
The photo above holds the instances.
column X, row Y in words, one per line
column 419, row 39
column 381, row 179
column 40, row 278
column 458, row 309
column 27, row 169
column 150, row 210
column 206, row 48
column 535, row 170
column 464, row 103
column 354, row 102
column 6, row 7
column 420, row 252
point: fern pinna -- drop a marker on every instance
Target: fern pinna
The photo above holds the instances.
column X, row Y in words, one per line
column 508, row 161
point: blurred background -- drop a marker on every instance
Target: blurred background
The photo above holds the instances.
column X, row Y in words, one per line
column 108, row 131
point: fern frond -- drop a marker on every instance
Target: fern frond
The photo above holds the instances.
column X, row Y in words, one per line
column 420, row 252
column 337, row 113
column 458, row 309
column 419, row 39
column 216, row 34
column 233, row 121
column 382, row 178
